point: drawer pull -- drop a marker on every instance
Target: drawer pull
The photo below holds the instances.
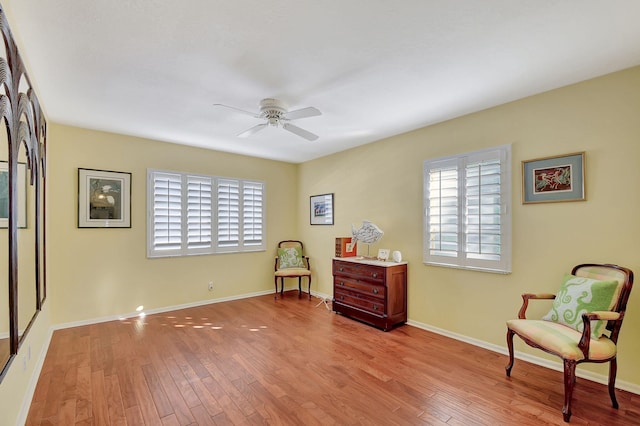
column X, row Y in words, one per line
column 375, row 275
column 341, row 297
column 375, row 291
column 375, row 307
column 341, row 269
column 341, row 283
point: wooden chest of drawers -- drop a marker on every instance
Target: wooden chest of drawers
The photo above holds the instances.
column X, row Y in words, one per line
column 371, row 291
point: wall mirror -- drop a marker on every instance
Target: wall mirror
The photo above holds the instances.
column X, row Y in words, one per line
column 22, row 201
column 5, row 349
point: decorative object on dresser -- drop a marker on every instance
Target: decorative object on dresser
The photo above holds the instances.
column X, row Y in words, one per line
column 371, row 291
column 383, row 254
column 291, row 263
column 344, row 247
column 368, row 233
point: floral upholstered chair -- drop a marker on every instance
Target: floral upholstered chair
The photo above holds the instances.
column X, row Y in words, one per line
column 583, row 324
column 291, row 263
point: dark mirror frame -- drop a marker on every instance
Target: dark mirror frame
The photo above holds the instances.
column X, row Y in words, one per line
column 26, row 126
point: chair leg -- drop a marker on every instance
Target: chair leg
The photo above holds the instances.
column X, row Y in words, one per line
column 509, row 366
column 275, row 280
column 309, row 287
column 281, row 286
column 613, row 370
column 299, row 287
column 569, row 383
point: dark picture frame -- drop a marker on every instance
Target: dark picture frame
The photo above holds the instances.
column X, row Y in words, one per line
column 104, row 199
column 321, row 209
column 554, row 179
column 4, row 195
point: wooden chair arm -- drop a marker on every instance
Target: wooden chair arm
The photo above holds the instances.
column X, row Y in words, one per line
column 605, row 315
column 535, row 296
column 586, row 326
column 308, row 262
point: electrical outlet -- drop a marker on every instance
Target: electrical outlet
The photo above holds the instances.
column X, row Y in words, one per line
column 210, row 285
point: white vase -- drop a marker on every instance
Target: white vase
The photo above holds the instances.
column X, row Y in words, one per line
column 396, row 256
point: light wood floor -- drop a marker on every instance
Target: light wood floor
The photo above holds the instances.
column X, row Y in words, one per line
column 288, row 362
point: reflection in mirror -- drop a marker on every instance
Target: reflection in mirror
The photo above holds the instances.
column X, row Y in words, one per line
column 27, row 299
column 4, row 248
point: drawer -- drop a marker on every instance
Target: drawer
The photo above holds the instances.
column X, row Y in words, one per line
column 364, row 287
column 354, row 270
column 371, row 305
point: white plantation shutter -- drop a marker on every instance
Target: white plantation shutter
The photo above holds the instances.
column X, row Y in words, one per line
column 228, row 213
column 467, row 203
column 197, row 214
column 252, row 213
column 166, row 205
column 483, row 210
column 443, row 209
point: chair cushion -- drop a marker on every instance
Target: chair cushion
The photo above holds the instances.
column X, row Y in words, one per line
column 290, row 257
column 561, row 340
column 292, row 272
column 579, row 295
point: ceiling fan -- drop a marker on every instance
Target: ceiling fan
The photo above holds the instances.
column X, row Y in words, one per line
column 276, row 114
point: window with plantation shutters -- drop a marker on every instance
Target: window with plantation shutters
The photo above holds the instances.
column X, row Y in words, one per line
column 467, row 206
column 197, row 214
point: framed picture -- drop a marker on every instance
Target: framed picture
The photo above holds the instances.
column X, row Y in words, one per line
column 321, row 209
column 383, row 254
column 104, row 199
column 553, row 179
column 4, row 195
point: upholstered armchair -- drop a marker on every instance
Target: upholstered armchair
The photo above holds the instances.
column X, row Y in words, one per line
column 583, row 324
column 291, row 262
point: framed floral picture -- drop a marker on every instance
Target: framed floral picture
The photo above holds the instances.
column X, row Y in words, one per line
column 104, row 199
column 553, row 179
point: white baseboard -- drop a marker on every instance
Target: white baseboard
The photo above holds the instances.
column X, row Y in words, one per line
column 33, row 380
column 157, row 310
column 553, row 365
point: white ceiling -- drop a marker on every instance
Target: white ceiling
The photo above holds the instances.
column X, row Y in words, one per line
column 375, row 68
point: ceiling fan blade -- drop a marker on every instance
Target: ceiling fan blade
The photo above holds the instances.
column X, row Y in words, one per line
column 302, row 113
column 300, row 132
column 252, row 114
column 252, row 130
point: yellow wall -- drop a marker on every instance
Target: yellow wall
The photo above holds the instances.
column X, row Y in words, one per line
column 382, row 182
column 96, row 273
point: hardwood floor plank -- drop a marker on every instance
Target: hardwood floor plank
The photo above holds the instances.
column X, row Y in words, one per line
column 99, row 401
column 114, row 401
column 286, row 361
column 160, row 400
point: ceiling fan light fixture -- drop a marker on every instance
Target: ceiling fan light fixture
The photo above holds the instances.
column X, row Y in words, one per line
column 276, row 113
